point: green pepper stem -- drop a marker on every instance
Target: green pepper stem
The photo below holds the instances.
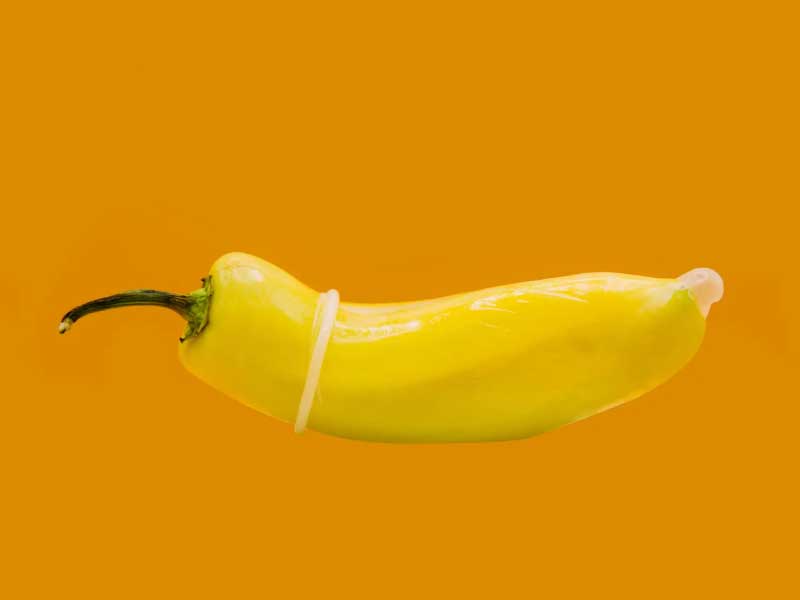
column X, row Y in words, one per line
column 193, row 307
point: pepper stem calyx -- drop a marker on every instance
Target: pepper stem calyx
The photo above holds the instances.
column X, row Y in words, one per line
column 193, row 306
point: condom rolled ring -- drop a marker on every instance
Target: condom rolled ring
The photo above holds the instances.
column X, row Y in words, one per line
column 324, row 321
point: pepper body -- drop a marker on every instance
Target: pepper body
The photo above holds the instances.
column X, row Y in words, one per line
column 497, row 364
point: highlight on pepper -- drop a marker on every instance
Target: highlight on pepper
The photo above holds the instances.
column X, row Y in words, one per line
column 503, row 363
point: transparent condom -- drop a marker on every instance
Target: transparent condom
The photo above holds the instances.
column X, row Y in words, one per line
column 324, row 320
column 705, row 285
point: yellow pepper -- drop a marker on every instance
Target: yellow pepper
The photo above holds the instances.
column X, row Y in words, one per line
column 497, row 364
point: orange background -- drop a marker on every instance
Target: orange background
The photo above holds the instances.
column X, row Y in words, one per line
column 393, row 152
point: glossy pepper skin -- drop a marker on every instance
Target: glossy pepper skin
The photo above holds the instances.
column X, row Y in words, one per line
column 497, row 364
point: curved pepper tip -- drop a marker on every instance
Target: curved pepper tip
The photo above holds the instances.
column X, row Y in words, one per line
column 706, row 286
column 64, row 326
